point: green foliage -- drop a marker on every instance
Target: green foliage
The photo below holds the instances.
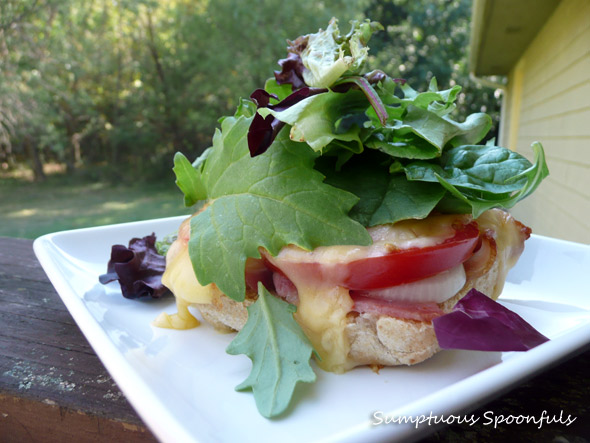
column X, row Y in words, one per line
column 483, row 177
column 416, row 126
column 430, row 38
column 314, row 120
column 329, row 54
column 129, row 83
column 383, row 197
column 188, row 180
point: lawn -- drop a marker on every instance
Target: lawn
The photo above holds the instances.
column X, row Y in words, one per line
column 29, row 209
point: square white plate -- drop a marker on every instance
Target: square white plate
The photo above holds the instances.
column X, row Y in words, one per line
column 182, row 382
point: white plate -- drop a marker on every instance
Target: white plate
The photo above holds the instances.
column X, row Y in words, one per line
column 182, row 382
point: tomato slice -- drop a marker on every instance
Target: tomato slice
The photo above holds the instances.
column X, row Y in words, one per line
column 408, row 265
column 386, row 270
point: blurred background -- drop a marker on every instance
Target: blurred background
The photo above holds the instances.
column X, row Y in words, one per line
column 96, row 96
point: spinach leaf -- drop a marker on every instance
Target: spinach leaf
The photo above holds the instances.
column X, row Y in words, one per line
column 483, row 176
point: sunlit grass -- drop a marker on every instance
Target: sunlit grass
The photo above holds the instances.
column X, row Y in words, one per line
column 29, row 209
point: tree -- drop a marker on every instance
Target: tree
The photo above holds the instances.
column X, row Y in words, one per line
column 430, row 38
column 119, row 86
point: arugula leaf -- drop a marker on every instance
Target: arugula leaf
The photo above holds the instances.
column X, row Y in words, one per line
column 268, row 201
column 279, row 350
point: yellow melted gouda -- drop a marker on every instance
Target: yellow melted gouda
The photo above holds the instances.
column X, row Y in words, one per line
column 180, row 278
column 183, row 319
column 322, row 315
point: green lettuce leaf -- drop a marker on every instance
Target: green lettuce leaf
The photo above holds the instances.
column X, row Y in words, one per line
column 329, row 55
column 439, row 102
column 268, row 201
column 439, row 131
column 315, row 119
column 408, row 146
column 418, row 125
column 281, row 91
column 188, row 180
column 279, row 350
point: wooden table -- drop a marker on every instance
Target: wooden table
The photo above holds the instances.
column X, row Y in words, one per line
column 53, row 387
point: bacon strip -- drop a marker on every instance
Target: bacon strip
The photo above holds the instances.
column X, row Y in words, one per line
column 406, row 311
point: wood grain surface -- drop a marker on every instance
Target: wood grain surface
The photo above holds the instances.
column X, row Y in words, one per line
column 53, row 387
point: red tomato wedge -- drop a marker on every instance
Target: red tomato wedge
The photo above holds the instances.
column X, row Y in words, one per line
column 395, row 267
column 408, row 265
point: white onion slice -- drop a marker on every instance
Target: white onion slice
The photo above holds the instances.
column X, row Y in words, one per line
column 438, row 288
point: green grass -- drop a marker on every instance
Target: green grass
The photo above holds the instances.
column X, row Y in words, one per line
column 29, row 210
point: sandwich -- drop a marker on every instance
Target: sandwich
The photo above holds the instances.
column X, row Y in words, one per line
column 342, row 214
column 364, row 305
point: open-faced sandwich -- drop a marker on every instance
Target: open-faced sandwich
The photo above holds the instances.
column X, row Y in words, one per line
column 343, row 215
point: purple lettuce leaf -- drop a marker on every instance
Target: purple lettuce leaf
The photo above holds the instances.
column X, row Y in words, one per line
column 291, row 72
column 292, row 67
column 263, row 130
column 479, row 323
column 138, row 268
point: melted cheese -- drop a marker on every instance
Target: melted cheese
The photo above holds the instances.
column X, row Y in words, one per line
column 180, row 278
column 183, row 319
column 323, row 308
column 406, row 234
column 322, row 316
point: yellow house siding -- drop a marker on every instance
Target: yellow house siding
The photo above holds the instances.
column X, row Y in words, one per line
column 514, row 111
column 549, row 89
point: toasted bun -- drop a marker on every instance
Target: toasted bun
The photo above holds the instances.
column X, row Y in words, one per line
column 383, row 340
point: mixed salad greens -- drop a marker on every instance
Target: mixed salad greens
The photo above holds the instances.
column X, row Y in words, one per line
column 322, row 152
